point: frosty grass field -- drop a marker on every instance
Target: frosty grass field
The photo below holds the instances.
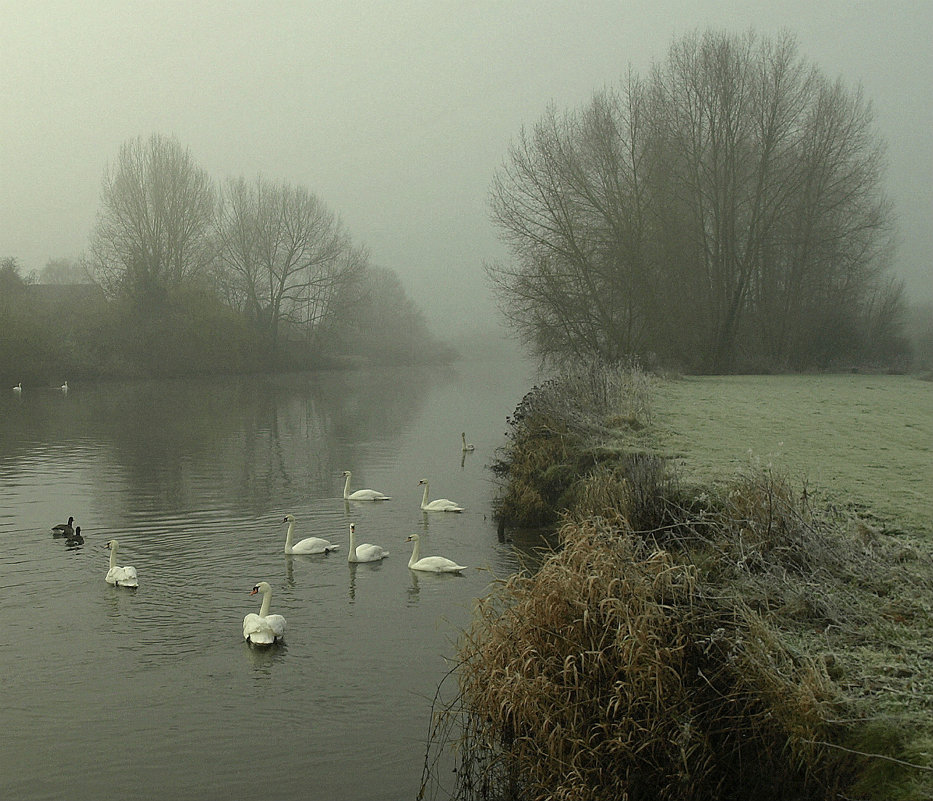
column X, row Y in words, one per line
column 861, row 441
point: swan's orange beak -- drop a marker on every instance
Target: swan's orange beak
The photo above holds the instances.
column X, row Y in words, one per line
column 254, row 591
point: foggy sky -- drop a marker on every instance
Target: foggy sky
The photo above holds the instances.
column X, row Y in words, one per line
column 395, row 113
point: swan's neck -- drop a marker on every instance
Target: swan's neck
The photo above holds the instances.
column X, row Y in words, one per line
column 352, row 552
column 424, row 500
column 288, row 536
column 415, row 553
column 346, row 488
column 113, row 556
column 266, row 600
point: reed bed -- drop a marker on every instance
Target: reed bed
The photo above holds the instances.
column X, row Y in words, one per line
column 610, row 673
column 726, row 642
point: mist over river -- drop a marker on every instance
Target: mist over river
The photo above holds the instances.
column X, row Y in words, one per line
column 152, row 693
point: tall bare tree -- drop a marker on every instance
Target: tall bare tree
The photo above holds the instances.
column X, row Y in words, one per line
column 570, row 203
column 721, row 211
column 155, row 221
column 780, row 193
column 283, row 252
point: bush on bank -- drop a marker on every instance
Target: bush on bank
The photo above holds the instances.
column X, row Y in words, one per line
column 689, row 642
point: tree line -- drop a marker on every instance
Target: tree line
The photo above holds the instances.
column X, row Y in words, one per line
column 724, row 212
column 200, row 277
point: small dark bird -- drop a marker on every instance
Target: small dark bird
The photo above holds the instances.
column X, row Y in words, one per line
column 64, row 529
column 75, row 538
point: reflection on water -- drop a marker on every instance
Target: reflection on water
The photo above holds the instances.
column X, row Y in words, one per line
column 165, row 440
column 263, row 658
column 194, row 478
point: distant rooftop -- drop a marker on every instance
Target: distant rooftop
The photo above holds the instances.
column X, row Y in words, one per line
column 66, row 294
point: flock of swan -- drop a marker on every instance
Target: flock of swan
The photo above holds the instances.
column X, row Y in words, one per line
column 18, row 389
column 265, row 628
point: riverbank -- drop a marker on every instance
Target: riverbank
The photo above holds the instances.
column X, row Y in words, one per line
column 731, row 638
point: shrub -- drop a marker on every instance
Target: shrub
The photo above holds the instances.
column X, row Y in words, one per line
column 613, row 673
column 722, row 641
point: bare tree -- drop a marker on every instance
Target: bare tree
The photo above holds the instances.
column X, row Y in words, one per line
column 570, row 203
column 780, row 177
column 718, row 212
column 63, row 271
column 154, row 225
column 328, row 288
column 835, row 240
column 283, row 253
column 378, row 322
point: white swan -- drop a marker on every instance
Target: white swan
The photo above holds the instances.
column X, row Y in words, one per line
column 365, row 552
column 466, row 445
column 308, row 544
column 440, row 505
column 430, row 564
column 64, row 529
column 361, row 494
column 120, row 576
column 18, row 387
column 65, row 387
column 263, row 629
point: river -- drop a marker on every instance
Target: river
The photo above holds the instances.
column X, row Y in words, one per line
column 110, row 692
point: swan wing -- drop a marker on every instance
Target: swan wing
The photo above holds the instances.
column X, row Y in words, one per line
column 437, row 564
column 313, row 545
column 368, row 495
column 122, row 576
column 277, row 624
column 256, row 629
column 370, row 553
column 443, row 505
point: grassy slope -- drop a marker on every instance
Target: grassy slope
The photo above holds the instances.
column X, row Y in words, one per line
column 840, row 595
column 865, row 441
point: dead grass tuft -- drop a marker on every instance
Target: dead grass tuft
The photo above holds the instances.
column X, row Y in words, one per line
column 611, row 673
column 725, row 642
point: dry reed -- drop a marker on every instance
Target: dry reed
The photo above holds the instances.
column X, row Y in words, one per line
column 610, row 674
column 722, row 642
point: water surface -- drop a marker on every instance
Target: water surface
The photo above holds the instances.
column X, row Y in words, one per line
column 152, row 693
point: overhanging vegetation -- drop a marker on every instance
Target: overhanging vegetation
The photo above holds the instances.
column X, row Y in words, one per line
column 727, row 641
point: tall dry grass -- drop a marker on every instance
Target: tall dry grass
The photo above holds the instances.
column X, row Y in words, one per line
column 724, row 642
column 611, row 673
column 564, row 431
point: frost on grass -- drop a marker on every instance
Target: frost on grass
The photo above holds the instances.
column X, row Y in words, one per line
column 720, row 641
column 735, row 662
